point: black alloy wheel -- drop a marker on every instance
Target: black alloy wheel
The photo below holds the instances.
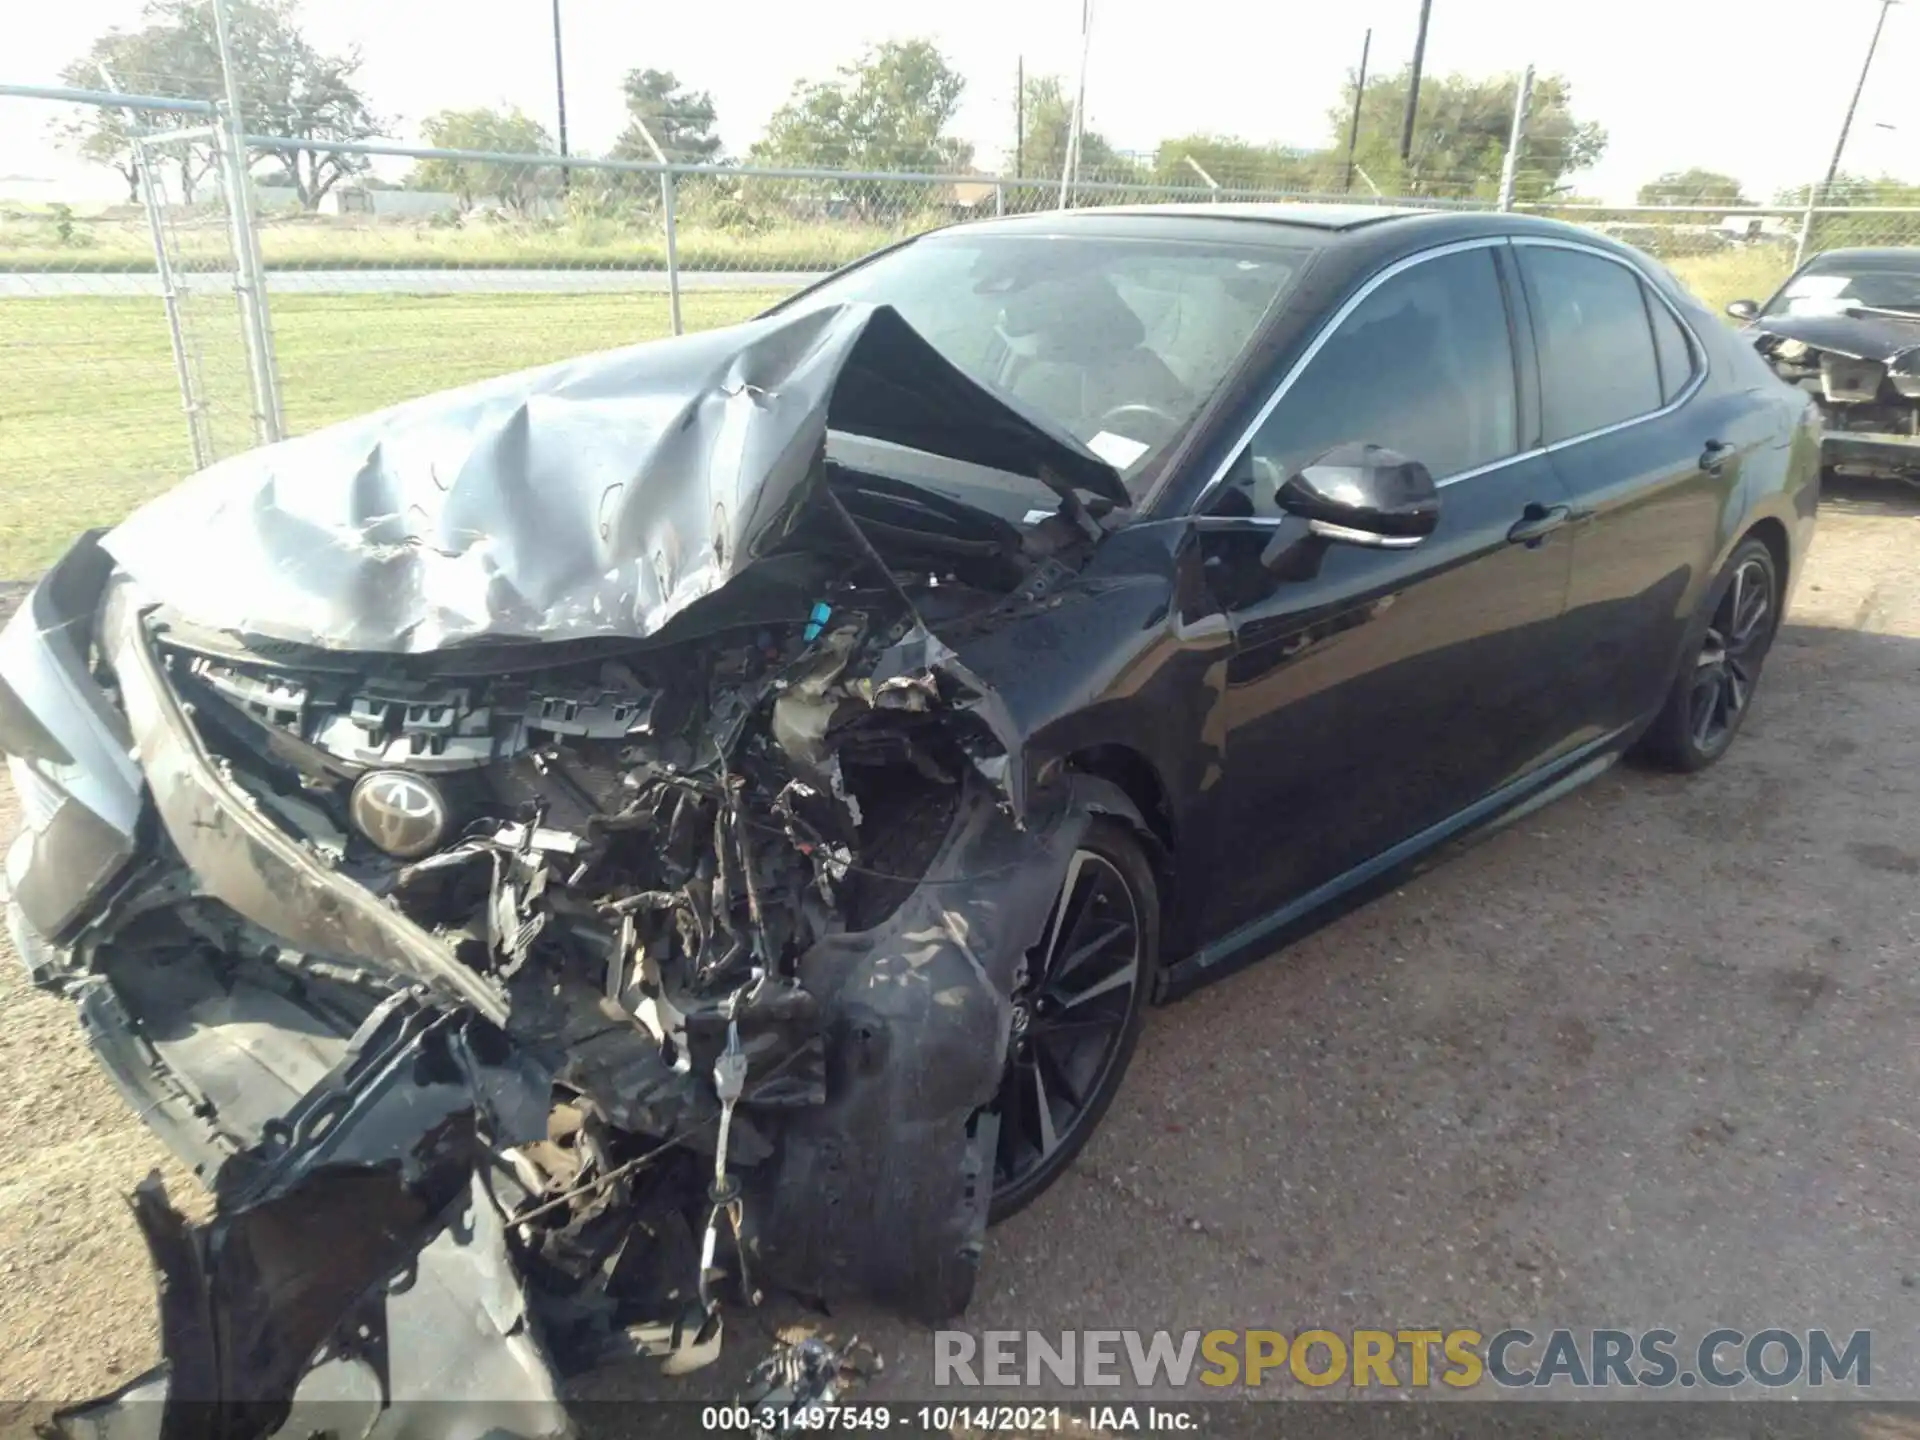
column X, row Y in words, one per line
column 1077, row 1010
column 1715, row 687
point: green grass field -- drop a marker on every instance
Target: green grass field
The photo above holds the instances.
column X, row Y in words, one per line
column 90, row 420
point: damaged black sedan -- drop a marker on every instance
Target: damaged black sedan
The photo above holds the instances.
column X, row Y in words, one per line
column 1846, row 328
column 569, row 856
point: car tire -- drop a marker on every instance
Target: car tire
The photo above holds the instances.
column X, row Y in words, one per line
column 1076, row 1019
column 1720, row 671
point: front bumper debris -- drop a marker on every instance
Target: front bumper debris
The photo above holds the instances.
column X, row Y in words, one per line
column 357, row 1263
column 436, row 1180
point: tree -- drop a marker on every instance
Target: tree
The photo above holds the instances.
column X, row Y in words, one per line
column 1049, row 119
column 1460, row 136
column 681, row 121
column 1240, row 164
column 1693, row 187
column 159, row 58
column 507, row 131
column 288, row 87
column 1834, row 228
column 1849, row 189
column 887, row 111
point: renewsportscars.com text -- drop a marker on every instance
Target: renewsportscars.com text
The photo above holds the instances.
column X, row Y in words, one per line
column 1459, row 1359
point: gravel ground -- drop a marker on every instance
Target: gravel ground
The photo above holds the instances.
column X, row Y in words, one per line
column 1646, row 1057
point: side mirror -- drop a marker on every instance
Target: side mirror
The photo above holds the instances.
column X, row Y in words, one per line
column 1743, row 310
column 1360, row 494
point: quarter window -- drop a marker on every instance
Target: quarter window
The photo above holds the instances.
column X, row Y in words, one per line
column 1597, row 357
column 1671, row 345
column 1424, row 366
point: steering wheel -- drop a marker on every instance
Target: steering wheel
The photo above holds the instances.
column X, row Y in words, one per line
column 1160, row 423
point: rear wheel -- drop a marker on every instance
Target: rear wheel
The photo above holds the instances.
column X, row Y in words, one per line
column 1715, row 686
column 1077, row 1009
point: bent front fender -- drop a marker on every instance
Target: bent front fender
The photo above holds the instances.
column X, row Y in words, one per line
column 67, row 750
column 883, row 1190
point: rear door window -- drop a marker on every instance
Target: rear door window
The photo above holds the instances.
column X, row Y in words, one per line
column 1598, row 364
column 1673, row 348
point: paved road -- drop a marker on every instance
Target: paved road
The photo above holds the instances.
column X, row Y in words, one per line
column 414, row 282
column 1645, row 1058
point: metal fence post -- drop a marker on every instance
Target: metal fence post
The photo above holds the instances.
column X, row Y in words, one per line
column 1510, row 166
column 1806, row 226
column 197, row 438
column 667, row 189
column 250, row 283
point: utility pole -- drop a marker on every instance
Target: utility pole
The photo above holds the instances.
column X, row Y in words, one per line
column 1510, row 167
column 1816, row 195
column 1359, row 93
column 560, row 95
column 1069, row 171
column 1840, row 145
column 1019, row 116
column 1413, row 83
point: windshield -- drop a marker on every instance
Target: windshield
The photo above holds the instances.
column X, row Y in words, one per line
column 1119, row 342
column 1835, row 292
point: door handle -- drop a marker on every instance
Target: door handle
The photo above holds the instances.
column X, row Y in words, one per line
column 1714, row 455
column 1537, row 522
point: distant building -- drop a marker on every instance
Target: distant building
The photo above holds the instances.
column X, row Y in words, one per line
column 970, row 197
column 360, row 200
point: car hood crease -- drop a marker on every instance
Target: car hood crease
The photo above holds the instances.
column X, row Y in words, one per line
column 598, row 497
column 1858, row 337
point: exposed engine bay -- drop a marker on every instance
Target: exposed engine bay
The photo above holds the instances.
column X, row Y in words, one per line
column 1863, row 369
column 599, row 976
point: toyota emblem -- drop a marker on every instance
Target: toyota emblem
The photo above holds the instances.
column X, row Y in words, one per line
column 401, row 813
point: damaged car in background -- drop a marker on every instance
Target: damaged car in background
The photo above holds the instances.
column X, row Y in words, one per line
column 1846, row 328
column 569, row 857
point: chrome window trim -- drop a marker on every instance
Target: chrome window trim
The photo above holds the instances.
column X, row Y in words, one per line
column 1339, row 318
column 1407, row 262
column 1487, row 469
column 1555, row 242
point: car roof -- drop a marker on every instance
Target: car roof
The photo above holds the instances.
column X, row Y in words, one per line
column 1880, row 257
column 1383, row 229
column 1289, row 223
column 1314, row 215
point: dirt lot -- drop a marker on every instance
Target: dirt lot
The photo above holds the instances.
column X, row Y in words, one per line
column 1647, row 1057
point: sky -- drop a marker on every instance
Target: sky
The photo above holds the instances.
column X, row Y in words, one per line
column 1754, row 88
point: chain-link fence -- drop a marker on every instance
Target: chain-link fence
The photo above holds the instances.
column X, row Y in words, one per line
column 136, row 354
column 125, row 356
column 546, row 260
column 1742, row 252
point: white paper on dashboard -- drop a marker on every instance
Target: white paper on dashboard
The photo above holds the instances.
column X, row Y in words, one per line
column 1817, row 287
column 1117, row 450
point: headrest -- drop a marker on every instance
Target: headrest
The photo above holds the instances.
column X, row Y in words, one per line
column 1077, row 317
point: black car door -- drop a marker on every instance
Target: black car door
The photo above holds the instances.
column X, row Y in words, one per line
column 1647, row 456
column 1383, row 694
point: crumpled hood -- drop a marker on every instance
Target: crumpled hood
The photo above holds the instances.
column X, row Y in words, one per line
column 1859, row 337
column 598, row 497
